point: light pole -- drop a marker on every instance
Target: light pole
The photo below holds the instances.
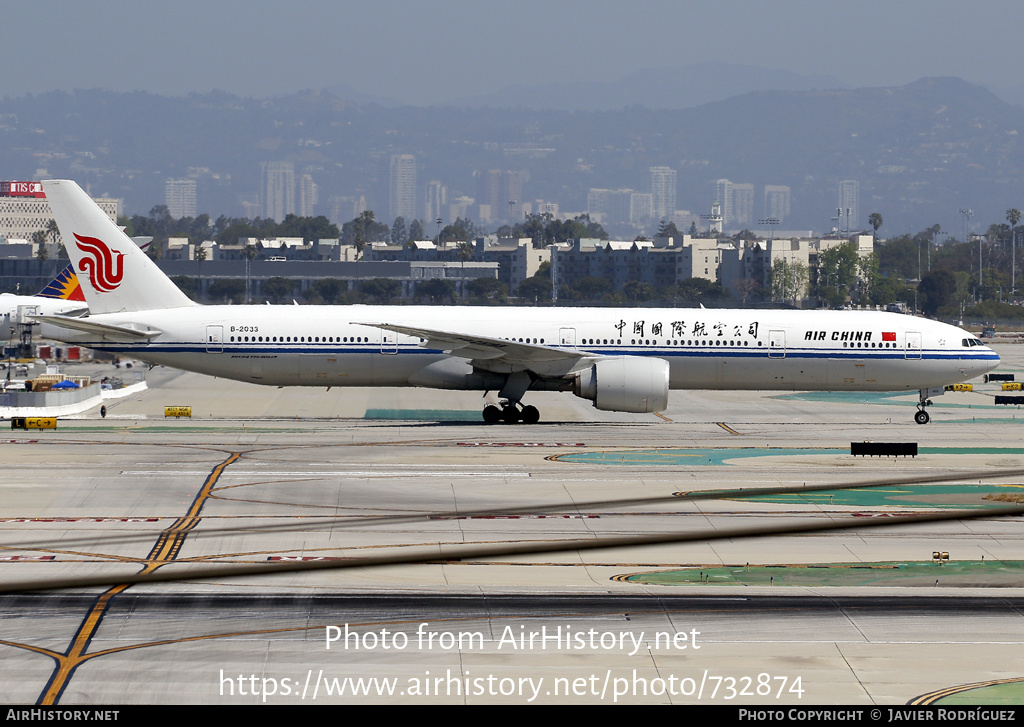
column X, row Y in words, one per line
column 934, row 237
column 770, row 222
column 968, row 213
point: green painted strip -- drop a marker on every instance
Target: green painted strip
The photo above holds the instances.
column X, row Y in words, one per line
column 426, row 415
column 992, row 574
column 1012, row 693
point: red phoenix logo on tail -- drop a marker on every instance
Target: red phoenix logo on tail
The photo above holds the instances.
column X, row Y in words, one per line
column 104, row 269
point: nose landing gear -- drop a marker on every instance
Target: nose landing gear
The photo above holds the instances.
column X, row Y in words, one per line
column 922, row 417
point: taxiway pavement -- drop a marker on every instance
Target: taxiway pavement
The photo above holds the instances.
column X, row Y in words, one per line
column 266, row 475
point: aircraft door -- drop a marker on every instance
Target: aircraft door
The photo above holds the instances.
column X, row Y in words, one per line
column 215, row 339
column 567, row 337
column 913, row 349
column 388, row 342
column 776, row 344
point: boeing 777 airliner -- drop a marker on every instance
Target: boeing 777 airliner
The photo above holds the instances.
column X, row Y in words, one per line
column 621, row 359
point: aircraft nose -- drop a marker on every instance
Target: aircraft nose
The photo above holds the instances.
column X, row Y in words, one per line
column 995, row 360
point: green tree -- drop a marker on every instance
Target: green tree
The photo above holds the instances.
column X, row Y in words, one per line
column 589, row 289
column 227, row 289
column 789, row 280
column 899, row 256
column 464, row 252
column 669, row 229
column 277, row 289
column 461, row 230
column 637, row 291
column 415, row 231
column 869, row 280
column 54, row 234
column 382, row 290
column 328, row 289
column 536, row 288
column 875, row 220
column 399, row 235
column 186, row 284
column 308, row 228
column 1013, row 217
column 936, row 290
column 39, row 238
column 487, row 290
column 837, row 274
column 436, row 291
column 362, row 230
column 700, row 290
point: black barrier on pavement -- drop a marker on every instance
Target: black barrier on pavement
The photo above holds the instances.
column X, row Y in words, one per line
column 883, row 449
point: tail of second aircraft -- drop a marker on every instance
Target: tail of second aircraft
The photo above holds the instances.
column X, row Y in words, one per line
column 64, row 287
column 114, row 274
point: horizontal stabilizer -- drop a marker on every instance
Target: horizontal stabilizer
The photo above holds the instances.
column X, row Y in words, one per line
column 108, row 331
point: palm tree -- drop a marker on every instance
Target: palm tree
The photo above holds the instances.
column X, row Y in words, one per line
column 200, row 255
column 1013, row 216
column 875, row 220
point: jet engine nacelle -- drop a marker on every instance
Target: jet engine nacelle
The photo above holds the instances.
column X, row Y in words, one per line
column 625, row 383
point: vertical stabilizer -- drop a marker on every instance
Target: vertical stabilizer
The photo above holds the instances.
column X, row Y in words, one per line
column 115, row 275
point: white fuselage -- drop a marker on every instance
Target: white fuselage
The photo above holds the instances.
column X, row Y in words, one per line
column 705, row 348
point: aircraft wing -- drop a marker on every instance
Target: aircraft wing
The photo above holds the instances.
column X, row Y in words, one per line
column 108, row 331
column 492, row 353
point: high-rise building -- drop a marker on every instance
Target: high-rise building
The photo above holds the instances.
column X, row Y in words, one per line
column 307, row 196
column 344, row 209
column 402, row 187
column 512, row 190
column 663, row 192
column 849, row 205
column 723, row 195
column 776, row 201
column 742, row 205
column 488, row 192
column 737, row 203
column 180, row 197
column 435, row 203
column 495, row 189
column 641, row 209
column 277, row 192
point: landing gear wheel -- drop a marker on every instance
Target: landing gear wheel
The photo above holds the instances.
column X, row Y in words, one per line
column 530, row 415
column 922, row 417
column 510, row 415
column 492, row 414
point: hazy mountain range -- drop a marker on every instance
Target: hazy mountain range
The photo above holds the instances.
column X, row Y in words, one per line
column 919, row 151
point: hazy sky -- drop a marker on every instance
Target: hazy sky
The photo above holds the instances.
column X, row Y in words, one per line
column 428, row 52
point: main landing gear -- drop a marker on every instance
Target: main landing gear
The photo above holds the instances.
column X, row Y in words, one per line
column 511, row 413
